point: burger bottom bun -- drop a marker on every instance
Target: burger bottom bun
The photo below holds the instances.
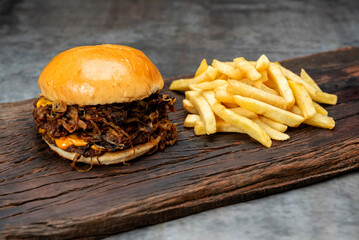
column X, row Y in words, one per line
column 109, row 157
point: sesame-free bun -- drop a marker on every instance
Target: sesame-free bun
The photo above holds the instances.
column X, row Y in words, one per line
column 101, row 74
column 109, row 157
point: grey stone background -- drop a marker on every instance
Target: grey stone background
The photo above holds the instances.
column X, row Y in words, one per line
column 176, row 35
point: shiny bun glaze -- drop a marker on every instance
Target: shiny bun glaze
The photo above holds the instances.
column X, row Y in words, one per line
column 101, row 74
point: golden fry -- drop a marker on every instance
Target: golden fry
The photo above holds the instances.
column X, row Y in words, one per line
column 250, row 71
column 262, row 63
column 202, row 67
column 320, row 120
column 205, row 111
column 223, row 95
column 326, row 98
column 264, row 77
column 272, row 133
column 208, row 85
column 294, row 77
column 227, row 69
column 222, row 126
column 305, row 77
column 236, row 87
column 269, row 111
column 303, row 100
column 248, row 126
column 320, row 109
column 188, row 106
column 282, row 83
column 191, row 120
column 260, row 85
column 183, row 84
column 244, row 112
column 274, row 124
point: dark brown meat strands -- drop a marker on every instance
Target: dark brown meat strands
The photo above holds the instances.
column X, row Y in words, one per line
column 109, row 127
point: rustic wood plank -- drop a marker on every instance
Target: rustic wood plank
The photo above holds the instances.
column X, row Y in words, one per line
column 40, row 196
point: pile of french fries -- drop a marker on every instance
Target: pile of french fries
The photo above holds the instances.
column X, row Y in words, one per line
column 259, row 98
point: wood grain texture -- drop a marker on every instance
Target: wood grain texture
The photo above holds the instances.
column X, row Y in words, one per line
column 40, row 196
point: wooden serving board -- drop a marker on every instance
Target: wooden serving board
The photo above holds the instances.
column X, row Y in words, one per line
column 40, row 196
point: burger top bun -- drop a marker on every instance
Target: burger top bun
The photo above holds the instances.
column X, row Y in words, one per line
column 101, row 74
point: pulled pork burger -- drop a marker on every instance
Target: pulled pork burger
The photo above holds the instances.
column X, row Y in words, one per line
column 101, row 105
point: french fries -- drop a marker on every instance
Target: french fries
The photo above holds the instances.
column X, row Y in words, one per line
column 267, row 110
column 183, row 84
column 305, row 76
column 262, row 63
column 282, row 83
column 272, row 133
column 236, row 87
column 249, row 70
column 248, row 126
column 303, row 99
column 207, row 116
column 191, row 120
column 258, row 98
column 188, row 106
column 202, row 67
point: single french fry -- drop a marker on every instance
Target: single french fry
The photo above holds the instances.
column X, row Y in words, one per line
column 244, row 112
column 272, row 133
column 305, row 76
column 295, row 109
column 205, row 111
column 274, row 124
column 262, row 63
column 326, row 98
column 223, row 95
column 302, row 99
column 210, row 97
column 260, row 85
column 183, row 84
column 320, row 120
column 236, row 87
column 247, row 125
column 202, row 67
column 208, row 85
column 222, row 126
column 282, row 84
column 320, row 109
column 271, row 84
column 249, row 70
column 229, row 105
column 188, row 106
column 269, row 111
column 294, row 77
column 227, row 69
column 232, row 64
column 264, row 77
column 191, row 120
column 247, row 81
column 222, row 76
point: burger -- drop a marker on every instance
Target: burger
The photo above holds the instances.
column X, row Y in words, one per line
column 101, row 105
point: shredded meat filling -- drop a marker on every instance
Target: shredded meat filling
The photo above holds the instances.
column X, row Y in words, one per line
column 110, row 127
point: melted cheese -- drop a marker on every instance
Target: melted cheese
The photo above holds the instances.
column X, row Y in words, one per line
column 43, row 102
column 65, row 142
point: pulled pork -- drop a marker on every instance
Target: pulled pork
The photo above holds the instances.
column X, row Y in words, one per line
column 109, row 127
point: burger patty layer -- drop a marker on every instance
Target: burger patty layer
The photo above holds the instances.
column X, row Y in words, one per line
column 97, row 129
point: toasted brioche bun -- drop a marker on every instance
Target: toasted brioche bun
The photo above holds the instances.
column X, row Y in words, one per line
column 109, row 157
column 101, row 74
